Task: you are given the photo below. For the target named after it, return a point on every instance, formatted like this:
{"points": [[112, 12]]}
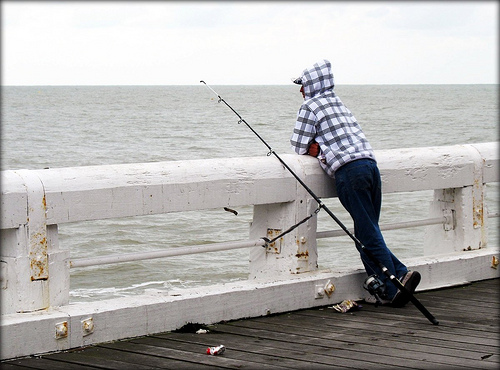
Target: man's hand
{"points": [[313, 149]]}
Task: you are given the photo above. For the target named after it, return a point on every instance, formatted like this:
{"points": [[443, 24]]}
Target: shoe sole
{"points": [[410, 283]]}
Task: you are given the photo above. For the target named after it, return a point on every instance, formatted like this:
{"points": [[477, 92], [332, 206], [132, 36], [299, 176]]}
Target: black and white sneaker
{"points": [[378, 302], [410, 282]]}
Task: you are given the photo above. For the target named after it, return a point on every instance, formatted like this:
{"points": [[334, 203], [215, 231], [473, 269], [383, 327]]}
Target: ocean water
{"points": [[70, 126]]}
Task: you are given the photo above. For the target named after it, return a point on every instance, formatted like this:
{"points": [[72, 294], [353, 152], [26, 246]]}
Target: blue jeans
{"points": [[359, 189]]}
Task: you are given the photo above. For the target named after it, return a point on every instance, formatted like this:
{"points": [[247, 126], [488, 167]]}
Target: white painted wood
{"points": [[36, 226], [27, 272], [88, 193], [279, 282], [154, 313], [465, 204], [294, 253], [490, 154], [425, 168], [14, 201]]}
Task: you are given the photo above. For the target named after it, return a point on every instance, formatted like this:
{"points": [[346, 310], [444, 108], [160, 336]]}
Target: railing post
{"points": [[464, 211], [35, 273], [294, 253]]}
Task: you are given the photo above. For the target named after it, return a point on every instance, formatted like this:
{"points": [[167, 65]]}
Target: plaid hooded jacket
{"points": [[324, 118]]}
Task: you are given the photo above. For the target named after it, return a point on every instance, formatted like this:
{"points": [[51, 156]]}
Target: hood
{"points": [[317, 79]]}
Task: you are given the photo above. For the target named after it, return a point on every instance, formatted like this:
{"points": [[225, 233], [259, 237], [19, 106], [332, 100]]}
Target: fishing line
{"points": [[321, 205]]}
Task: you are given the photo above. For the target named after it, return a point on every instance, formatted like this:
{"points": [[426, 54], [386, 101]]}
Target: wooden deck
{"points": [[321, 338]]}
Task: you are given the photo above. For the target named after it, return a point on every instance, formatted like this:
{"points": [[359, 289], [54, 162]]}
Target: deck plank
{"points": [[106, 359], [370, 338], [299, 348], [37, 362], [257, 349], [190, 358], [257, 356], [371, 349]]}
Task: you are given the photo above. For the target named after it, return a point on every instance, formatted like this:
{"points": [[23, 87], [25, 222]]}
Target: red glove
{"points": [[313, 149]]}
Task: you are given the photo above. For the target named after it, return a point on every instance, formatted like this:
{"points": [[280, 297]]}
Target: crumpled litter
{"points": [[214, 351], [345, 306]]}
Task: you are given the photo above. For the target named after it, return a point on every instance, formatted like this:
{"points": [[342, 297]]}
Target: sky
{"points": [[247, 43]]}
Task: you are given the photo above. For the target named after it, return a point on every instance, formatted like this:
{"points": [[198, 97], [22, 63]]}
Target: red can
{"points": [[219, 350]]}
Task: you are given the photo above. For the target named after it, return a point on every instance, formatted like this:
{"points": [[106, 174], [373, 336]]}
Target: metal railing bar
{"points": [[129, 257], [395, 226], [383, 227], [214, 247]]}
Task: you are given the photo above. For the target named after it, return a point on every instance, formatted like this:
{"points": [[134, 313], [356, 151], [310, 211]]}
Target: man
{"points": [[326, 129]]}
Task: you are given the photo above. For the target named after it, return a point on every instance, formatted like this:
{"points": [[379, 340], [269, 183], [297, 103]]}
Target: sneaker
{"points": [[410, 281], [372, 300]]}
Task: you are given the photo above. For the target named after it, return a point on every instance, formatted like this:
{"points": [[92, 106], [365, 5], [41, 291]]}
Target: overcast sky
{"points": [[171, 43]]}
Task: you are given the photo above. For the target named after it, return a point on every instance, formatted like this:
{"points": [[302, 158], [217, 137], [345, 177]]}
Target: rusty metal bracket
{"points": [[273, 245], [273, 237], [36, 225]]}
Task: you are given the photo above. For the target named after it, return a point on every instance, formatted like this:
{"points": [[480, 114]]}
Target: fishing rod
{"points": [[321, 205]]}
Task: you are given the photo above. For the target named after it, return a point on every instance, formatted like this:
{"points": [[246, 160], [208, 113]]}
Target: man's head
{"points": [[316, 79], [298, 81]]}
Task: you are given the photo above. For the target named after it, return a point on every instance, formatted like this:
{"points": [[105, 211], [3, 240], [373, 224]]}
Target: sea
{"points": [[68, 126]]}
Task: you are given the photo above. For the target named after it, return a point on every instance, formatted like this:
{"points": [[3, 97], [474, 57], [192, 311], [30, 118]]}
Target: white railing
{"points": [[231, 245], [283, 276]]}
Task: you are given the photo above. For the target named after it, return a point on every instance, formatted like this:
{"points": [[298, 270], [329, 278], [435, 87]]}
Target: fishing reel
{"points": [[375, 287]]}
